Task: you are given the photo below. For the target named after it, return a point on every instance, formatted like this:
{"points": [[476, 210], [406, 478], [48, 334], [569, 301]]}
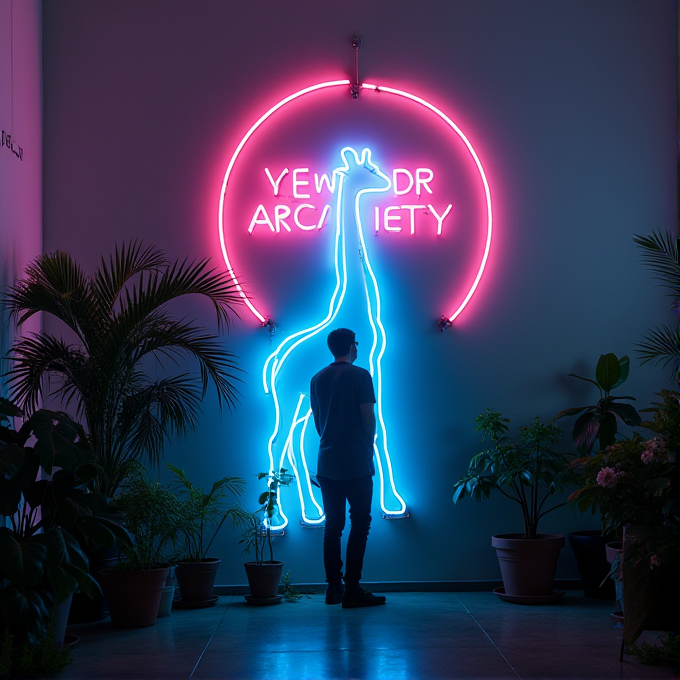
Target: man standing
{"points": [[343, 406]]}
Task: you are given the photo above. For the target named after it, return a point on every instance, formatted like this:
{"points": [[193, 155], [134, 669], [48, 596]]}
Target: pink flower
{"points": [[607, 477], [655, 449], [654, 561]]}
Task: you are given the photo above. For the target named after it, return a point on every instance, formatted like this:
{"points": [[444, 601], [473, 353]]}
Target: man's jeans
{"points": [[336, 493]]}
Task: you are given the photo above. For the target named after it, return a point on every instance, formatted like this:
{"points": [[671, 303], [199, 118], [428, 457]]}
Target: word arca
{"points": [[284, 218]]}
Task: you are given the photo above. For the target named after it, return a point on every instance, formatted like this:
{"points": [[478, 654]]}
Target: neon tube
{"points": [[375, 88], [230, 167], [487, 192], [367, 162]]}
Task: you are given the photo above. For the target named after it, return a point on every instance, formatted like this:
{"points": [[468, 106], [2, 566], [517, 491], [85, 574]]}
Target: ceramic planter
{"points": [[196, 580], [264, 579], [591, 559], [613, 550], [165, 605], [61, 612], [134, 596], [528, 566], [85, 609]]}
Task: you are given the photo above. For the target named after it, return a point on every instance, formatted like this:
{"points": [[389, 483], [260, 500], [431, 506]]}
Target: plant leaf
{"points": [[608, 371]]}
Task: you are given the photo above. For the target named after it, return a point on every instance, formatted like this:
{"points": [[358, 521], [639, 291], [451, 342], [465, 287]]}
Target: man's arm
{"points": [[368, 419]]}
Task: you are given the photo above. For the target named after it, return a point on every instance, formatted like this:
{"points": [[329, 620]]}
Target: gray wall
{"points": [[570, 105], [21, 154]]}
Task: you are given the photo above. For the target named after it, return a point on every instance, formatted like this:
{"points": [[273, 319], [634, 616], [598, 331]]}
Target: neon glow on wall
{"points": [[299, 217], [343, 84], [276, 360]]}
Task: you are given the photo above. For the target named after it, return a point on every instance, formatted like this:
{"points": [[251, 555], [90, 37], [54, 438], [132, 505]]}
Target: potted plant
{"points": [[634, 484], [202, 516], [529, 473], [599, 424], [43, 501], [136, 586], [123, 330], [264, 576]]}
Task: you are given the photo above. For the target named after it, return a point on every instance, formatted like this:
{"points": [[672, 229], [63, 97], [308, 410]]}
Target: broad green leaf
{"points": [[22, 562], [627, 413], [11, 459], [97, 532], [624, 364], [10, 498], [57, 551], [608, 371], [28, 609], [63, 584], [585, 431]]}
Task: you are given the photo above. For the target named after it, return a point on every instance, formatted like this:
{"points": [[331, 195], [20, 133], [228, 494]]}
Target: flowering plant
{"points": [[635, 482]]}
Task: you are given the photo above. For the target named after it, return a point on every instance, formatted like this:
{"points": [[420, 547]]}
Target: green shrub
{"points": [[20, 658]]}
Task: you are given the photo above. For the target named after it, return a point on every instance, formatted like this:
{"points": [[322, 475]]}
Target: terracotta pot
{"points": [[134, 596], [591, 559], [528, 564], [264, 579], [196, 579]]}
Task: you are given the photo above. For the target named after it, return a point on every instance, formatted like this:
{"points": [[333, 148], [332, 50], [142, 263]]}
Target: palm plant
{"points": [[202, 514], [125, 334], [661, 345]]}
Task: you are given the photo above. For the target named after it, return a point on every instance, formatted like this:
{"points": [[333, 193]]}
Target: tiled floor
{"points": [[416, 635]]}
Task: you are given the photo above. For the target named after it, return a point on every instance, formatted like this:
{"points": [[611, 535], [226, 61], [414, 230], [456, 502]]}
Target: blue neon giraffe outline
{"points": [[274, 362]]}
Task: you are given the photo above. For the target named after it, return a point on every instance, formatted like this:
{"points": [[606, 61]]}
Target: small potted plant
{"points": [[137, 585], [529, 473], [264, 576], [203, 515]]}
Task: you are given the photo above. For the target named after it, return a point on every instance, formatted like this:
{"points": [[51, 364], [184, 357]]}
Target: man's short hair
{"points": [[340, 341]]}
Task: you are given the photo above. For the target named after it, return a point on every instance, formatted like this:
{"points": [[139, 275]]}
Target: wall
{"points": [[20, 149], [571, 106]]}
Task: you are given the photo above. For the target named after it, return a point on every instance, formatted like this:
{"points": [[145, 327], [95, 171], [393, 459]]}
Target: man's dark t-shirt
{"points": [[346, 449]]}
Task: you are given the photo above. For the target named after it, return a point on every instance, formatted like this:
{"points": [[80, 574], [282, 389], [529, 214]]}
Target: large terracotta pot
{"points": [[528, 565], [264, 579], [590, 553], [134, 596], [196, 579]]}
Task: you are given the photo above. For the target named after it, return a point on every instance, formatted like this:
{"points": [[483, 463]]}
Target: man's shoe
{"points": [[335, 593], [358, 597]]}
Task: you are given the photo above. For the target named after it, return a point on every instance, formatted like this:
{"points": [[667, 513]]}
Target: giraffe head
{"points": [[368, 174]]}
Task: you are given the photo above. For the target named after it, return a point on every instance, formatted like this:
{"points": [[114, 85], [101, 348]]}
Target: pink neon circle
{"points": [[376, 88]]}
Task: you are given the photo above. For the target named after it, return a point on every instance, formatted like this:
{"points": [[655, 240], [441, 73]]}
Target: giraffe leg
{"points": [[311, 511]]}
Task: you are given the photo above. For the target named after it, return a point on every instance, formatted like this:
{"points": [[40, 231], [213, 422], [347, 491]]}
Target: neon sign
{"points": [[280, 219], [300, 201]]}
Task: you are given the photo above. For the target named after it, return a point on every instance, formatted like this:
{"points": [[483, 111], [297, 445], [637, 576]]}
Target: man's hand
{"points": [[368, 419]]}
